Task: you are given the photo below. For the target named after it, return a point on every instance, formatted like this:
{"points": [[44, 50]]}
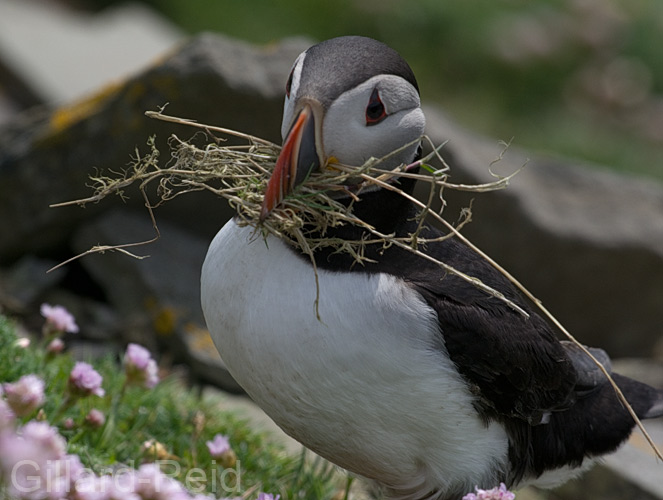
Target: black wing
{"points": [[524, 377], [515, 364], [553, 400]]}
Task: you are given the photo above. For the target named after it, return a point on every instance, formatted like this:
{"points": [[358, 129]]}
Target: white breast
{"points": [[367, 386]]}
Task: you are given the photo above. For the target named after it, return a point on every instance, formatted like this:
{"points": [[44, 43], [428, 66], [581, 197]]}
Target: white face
{"points": [[347, 136], [345, 132]]}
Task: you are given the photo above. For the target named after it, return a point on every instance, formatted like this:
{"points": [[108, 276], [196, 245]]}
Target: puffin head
{"points": [[347, 99]]}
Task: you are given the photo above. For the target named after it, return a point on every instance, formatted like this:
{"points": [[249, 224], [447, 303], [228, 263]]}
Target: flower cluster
{"points": [[58, 322], [25, 395], [84, 380], [35, 465], [58, 319], [34, 456], [498, 493], [95, 418], [34, 462], [139, 366], [219, 448]]}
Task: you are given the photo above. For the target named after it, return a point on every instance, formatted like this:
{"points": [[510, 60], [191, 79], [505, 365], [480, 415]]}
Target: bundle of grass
{"points": [[240, 174]]}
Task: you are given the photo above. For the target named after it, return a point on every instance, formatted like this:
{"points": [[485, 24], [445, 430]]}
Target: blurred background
{"points": [[569, 82], [578, 78]]}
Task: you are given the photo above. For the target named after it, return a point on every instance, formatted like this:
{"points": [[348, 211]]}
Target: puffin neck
{"points": [[385, 210]]}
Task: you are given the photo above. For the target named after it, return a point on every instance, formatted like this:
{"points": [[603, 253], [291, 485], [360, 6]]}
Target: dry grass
{"points": [[240, 175]]}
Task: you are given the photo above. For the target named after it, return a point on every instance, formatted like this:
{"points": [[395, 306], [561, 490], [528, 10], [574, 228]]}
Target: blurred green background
{"points": [[575, 78]]}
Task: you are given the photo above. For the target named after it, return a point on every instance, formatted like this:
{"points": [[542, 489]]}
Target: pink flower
{"points": [[55, 346], [85, 380], [33, 461], [137, 356], [119, 486], [140, 368], [92, 487], [218, 446], [268, 496], [152, 483], [45, 437], [64, 473], [498, 493], [220, 450], [95, 418], [25, 395], [7, 416], [58, 318]]}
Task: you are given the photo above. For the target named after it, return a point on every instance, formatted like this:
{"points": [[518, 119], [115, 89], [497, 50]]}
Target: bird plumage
{"points": [[412, 377]]}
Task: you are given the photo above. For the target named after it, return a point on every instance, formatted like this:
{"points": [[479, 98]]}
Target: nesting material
{"points": [[240, 175]]}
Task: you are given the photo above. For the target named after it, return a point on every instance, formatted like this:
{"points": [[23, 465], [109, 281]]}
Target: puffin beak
{"points": [[299, 156]]}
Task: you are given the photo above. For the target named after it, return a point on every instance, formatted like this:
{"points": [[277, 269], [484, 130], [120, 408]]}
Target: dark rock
{"points": [[47, 155], [23, 283], [85, 350], [633, 472], [162, 289], [586, 241], [649, 371], [97, 321], [158, 296]]}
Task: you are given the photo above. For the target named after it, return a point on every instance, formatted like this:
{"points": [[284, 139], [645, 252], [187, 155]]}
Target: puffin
{"points": [[407, 375]]}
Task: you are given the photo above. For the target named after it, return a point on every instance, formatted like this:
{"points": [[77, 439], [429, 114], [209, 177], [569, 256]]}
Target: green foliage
{"points": [[172, 414]]}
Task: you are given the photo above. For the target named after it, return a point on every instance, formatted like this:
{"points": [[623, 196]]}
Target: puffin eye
{"points": [[375, 111], [288, 84]]}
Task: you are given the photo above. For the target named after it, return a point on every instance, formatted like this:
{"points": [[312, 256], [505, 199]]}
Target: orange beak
{"points": [[299, 156]]}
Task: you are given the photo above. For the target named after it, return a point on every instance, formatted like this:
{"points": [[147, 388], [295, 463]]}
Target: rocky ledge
{"points": [[587, 242]]}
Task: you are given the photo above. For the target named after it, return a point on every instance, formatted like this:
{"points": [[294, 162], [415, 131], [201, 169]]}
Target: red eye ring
{"points": [[375, 111]]}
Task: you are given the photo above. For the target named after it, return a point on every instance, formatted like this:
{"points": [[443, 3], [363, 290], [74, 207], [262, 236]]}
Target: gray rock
{"points": [[586, 241], [637, 464], [158, 296], [649, 371], [97, 321], [62, 53], [165, 270], [633, 472], [47, 155], [25, 281]]}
